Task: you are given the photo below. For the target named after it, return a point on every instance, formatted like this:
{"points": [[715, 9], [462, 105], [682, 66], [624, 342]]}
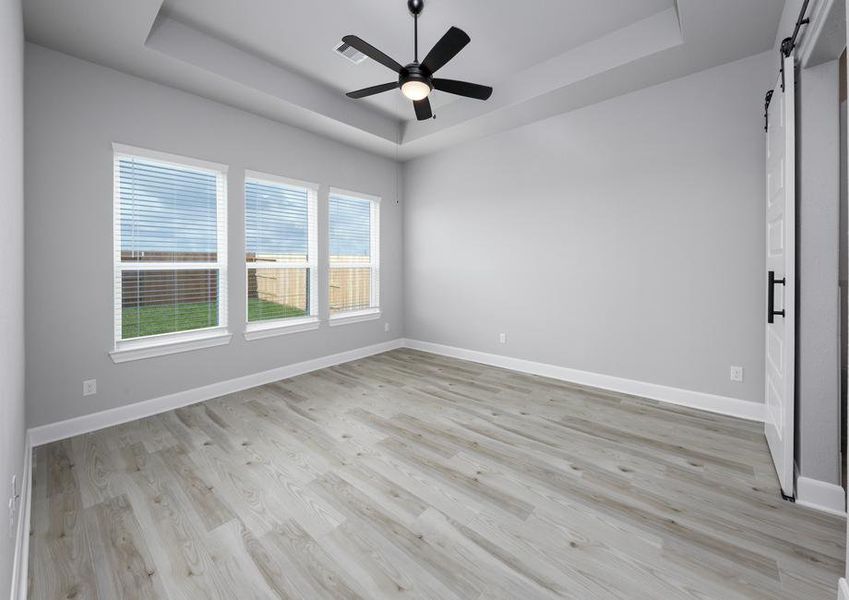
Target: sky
{"points": [[165, 209], [275, 219], [350, 222], [171, 209]]}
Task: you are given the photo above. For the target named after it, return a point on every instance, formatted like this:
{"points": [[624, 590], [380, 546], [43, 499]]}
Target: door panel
{"points": [[781, 261]]}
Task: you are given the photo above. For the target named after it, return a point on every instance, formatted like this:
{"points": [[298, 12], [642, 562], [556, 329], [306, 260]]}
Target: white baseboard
{"points": [[843, 590], [52, 432], [78, 425], [20, 565], [718, 404], [828, 497]]}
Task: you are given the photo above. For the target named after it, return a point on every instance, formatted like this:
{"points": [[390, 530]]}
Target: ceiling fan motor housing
{"points": [[415, 72]]}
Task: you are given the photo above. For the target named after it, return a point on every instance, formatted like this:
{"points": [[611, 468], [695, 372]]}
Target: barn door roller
{"points": [[789, 44], [786, 49]]}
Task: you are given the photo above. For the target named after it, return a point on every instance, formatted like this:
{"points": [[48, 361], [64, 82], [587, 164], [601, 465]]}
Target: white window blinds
{"points": [[354, 228], [170, 246], [281, 249]]}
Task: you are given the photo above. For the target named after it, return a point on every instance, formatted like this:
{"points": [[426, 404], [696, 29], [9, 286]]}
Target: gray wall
{"points": [[625, 238], [818, 324], [75, 110], [11, 271]]}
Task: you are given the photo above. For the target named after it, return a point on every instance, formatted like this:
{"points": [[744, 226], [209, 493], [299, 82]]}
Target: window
{"points": [[170, 252], [281, 254], [354, 224]]}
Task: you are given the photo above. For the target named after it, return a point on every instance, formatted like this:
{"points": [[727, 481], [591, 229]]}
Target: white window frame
{"points": [[263, 329], [373, 312], [182, 341]]}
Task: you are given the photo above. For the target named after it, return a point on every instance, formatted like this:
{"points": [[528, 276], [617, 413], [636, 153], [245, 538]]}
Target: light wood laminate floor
{"points": [[408, 475]]}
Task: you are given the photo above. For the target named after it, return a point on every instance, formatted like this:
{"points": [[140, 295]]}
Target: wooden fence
{"points": [[281, 286], [350, 287], [152, 288]]}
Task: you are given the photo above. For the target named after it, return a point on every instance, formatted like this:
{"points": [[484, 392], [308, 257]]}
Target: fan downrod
{"points": [[415, 6]]}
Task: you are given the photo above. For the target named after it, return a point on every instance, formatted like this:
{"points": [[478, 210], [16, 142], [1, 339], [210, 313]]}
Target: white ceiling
{"points": [[507, 36], [276, 58]]}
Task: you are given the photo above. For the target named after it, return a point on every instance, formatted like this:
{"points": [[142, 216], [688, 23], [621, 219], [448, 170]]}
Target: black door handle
{"points": [[770, 302]]}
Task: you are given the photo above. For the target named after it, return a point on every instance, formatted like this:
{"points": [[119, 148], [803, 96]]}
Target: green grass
{"points": [[263, 310], [153, 320]]}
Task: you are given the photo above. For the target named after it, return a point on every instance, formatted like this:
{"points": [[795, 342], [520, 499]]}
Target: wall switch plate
{"points": [[89, 387], [502, 338], [386, 327], [737, 374]]}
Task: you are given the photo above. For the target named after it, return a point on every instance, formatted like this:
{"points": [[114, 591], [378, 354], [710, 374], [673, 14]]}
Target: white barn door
{"points": [[781, 276]]}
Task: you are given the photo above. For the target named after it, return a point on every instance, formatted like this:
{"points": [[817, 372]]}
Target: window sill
{"points": [[141, 349], [267, 330], [355, 317]]}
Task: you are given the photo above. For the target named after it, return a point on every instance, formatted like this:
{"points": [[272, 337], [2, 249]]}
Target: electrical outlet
{"points": [[89, 387], [737, 374], [502, 338], [386, 327]]}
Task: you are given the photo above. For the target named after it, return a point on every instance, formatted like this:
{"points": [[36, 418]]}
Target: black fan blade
{"points": [[445, 49], [372, 52], [423, 111], [463, 88], [371, 91]]}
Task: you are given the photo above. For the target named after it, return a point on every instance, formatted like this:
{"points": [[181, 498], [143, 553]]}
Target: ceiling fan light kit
{"points": [[416, 79], [415, 84]]}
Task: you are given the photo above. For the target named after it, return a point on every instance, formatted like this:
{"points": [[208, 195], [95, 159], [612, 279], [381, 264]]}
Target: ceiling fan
{"points": [[416, 79]]}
